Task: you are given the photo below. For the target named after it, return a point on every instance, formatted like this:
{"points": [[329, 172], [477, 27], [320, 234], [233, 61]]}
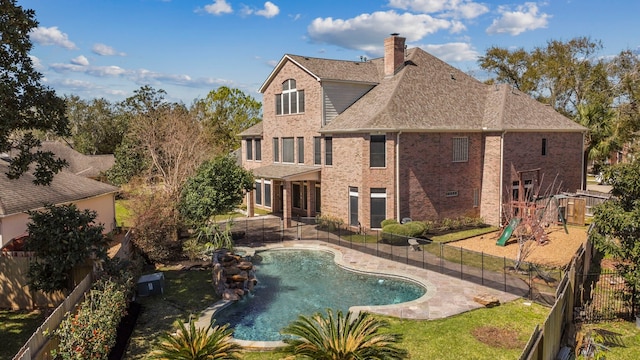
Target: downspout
{"points": [[501, 172], [584, 156], [398, 176]]}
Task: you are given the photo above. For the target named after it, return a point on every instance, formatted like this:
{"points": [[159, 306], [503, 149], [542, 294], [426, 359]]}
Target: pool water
{"points": [[304, 282]]}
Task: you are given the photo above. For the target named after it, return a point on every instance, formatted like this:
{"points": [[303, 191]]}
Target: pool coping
{"points": [[445, 295]]}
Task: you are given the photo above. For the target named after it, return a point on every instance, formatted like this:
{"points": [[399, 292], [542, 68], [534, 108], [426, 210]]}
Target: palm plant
{"points": [[341, 338], [197, 344]]}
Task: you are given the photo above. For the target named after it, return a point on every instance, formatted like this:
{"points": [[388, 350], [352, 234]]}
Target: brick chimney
{"points": [[393, 54]]}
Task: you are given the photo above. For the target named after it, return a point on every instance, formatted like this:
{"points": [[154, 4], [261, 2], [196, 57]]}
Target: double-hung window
{"points": [[378, 207], [377, 151], [353, 206], [249, 143], [276, 149], [258, 154], [300, 150], [328, 151], [291, 101], [317, 150], [258, 192], [267, 193], [287, 150]]}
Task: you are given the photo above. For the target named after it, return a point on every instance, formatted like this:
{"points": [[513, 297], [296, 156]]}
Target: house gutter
{"points": [[398, 175]]}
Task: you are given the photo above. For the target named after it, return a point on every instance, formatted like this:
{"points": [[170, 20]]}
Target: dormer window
{"points": [[291, 101]]}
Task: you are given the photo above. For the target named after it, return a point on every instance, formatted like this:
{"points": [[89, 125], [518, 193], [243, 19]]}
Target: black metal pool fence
{"points": [[522, 278]]}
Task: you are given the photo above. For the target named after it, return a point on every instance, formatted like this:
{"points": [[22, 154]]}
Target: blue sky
{"points": [[108, 49]]}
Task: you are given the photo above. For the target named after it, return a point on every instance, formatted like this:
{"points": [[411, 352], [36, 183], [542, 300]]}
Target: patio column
{"points": [[286, 204], [250, 203], [311, 198]]}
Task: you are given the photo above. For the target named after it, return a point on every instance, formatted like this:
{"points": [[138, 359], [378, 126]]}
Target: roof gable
{"points": [[327, 69]]}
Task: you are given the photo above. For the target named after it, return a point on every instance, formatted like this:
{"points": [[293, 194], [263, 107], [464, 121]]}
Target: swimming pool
{"points": [[296, 282]]}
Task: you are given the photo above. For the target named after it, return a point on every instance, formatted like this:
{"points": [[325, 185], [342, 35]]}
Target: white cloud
{"points": [[105, 50], [366, 31], [270, 10], [139, 76], [523, 18], [37, 64], [457, 51], [218, 7], [457, 27], [466, 9], [51, 36], [80, 60]]}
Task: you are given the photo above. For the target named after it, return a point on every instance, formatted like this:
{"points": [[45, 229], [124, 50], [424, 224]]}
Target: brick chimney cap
{"points": [[395, 34]]}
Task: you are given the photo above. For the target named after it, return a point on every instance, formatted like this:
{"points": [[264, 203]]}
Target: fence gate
{"points": [[575, 211]]}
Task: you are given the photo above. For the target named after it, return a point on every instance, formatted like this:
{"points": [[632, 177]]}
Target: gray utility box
{"points": [[151, 284]]}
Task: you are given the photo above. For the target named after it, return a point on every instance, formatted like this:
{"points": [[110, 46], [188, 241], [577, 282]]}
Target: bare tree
{"points": [[173, 141]]}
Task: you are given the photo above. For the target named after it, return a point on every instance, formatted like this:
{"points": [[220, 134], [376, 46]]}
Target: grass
{"points": [[460, 235], [123, 214], [622, 338], [15, 329], [186, 293], [453, 337]]}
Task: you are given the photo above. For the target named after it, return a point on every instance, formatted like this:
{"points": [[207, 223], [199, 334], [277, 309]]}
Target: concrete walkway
{"points": [[445, 296]]}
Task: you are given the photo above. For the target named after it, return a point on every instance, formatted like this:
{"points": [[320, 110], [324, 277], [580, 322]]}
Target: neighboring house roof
{"points": [[84, 165], [427, 94], [22, 194]]}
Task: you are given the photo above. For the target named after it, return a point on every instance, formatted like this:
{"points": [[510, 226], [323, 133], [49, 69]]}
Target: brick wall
{"points": [[428, 173], [562, 163]]}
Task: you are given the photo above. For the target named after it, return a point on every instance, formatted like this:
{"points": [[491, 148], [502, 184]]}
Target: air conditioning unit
{"points": [[150, 284]]}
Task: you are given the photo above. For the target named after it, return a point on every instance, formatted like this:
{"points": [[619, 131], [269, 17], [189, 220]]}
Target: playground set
{"points": [[528, 212]]}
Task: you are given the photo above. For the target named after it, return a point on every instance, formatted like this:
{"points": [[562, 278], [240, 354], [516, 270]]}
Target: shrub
{"points": [[396, 234], [416, 228], [386, 222], [329, 222], [91, 332], [155, 230]]}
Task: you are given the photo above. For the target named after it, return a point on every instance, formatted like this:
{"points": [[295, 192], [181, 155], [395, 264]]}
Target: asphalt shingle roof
{"points": [[21, 194], [79, 164]]}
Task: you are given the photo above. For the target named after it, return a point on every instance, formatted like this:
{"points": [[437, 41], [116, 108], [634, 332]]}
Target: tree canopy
{"points": [[97, 126], [216, 188], [62, 237], [224, 114], [597, 92], [27, 105], [615, 222]]}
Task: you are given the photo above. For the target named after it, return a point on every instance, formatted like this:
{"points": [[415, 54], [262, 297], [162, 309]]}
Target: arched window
{"points": [[291, 101]]}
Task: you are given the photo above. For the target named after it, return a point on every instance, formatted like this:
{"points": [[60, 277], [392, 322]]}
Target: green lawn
{"points": [[453, 337], [460, 235], [15, 329], [186, 293], [123, 214]]}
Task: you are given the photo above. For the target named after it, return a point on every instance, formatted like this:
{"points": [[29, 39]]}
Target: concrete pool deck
{"points": [[445, 296]]}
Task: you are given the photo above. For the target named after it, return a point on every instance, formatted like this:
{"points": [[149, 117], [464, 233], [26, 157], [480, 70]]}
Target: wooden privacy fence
{"points": [[545, 343], [39, 346], [15, 294]]}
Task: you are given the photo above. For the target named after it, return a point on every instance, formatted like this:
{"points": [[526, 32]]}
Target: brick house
{"points": [[406, 135]]}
